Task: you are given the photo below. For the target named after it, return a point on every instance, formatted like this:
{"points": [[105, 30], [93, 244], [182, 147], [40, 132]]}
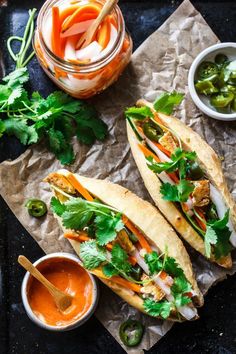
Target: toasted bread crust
{"points": [[148, 220], [207, 159]]}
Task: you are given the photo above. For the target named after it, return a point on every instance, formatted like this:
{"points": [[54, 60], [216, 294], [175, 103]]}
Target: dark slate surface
{"points": [[215, 332]]}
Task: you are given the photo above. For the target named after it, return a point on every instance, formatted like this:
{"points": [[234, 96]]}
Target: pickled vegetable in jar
{"points": [[81, 71]]}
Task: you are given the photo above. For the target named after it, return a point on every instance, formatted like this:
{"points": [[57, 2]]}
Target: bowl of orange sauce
{"points": [[64, 270]]}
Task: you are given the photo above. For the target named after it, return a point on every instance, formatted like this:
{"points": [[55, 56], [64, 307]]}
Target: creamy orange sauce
{"points": [[69, 277]]}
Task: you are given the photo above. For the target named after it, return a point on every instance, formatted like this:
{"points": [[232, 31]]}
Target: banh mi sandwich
{"points": [[126, 243], [184, 177]]}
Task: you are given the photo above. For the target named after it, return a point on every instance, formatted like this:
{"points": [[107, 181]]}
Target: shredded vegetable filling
{"points": [[113, 246], [184, 182]]}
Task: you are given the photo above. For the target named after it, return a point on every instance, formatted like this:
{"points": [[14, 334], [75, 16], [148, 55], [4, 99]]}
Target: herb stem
{"points": [[29, 108], [26, 40]]}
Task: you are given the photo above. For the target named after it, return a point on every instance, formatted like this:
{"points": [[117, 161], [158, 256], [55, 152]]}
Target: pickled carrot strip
{"points": [[147, 152], [112, 21], [81, 237], [173, 176], [78, 186], [75, 17], [142, 240], [126, 284], [132, 260], [56, 31], [199, 221], [68, 11], [83, 17], [103, 34], [160, 147]]}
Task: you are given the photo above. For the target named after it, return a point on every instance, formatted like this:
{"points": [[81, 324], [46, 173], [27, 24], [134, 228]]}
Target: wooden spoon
{"points": [[62, 300], [87, 37]]}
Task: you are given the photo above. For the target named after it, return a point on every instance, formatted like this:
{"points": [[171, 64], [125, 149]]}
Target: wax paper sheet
{"points": [[160, 63]]}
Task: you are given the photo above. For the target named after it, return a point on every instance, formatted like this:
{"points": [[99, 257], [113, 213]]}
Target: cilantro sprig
{"points": [[156, 264], [158, 309], [119, 263], [91, 254], [166, 102], [218, 235], [78, 213], [55, 119], [138, 113], [179, 162]]}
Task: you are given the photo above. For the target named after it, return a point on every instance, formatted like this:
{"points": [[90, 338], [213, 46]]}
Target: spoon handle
{"points": [[88, 35], [25, 263], [105, 10]]}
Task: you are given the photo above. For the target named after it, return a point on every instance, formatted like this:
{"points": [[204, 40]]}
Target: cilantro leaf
{"points": [[209, 239], [66, 156], [109, 270], [178, 156], [221, 223], [119, 259], [56, 140], [169, 192], [87, 119], [181, 300], [78, 213], [59, 146], [166, 101], [56, 118], [25, 133], [181, 285], [218, 234], [16, 93], [91, 254], [172, 267], [65, 125], [138, 113], [184, 188], [107, 227], [177, 193], [154, 262], [158, 309], [16, 77], [57, 207], [118, 264]]}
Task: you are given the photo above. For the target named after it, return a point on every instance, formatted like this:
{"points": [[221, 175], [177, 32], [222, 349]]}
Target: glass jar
{"points": [[82, 79]]}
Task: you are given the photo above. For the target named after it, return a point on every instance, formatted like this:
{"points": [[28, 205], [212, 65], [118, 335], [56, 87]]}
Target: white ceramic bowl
{"points": [[201, 101], [67, 327]]}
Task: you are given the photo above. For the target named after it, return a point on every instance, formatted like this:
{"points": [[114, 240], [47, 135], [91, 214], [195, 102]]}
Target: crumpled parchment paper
{"points": [[160, 63]]}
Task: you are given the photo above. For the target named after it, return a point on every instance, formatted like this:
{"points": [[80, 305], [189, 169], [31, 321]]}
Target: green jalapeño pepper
{"points": [[206, 87], [131, 332], [152, 132], [221, 59], [222, 100], [194, 171], [36, 207], [136, 272], [206, 70]]}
